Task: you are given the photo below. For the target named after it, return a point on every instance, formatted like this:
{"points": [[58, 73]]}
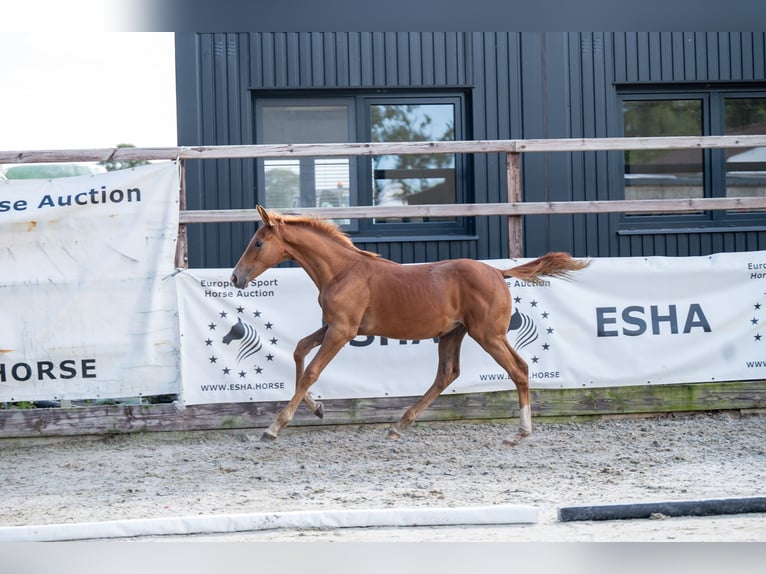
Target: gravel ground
{"points": [[436, 464]]}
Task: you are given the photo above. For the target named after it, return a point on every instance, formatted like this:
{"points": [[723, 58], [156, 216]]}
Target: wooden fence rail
{"points": [[737, 396], [514, 209]]}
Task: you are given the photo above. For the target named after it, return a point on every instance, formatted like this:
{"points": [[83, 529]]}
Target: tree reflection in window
{"points": [[413, 179]]}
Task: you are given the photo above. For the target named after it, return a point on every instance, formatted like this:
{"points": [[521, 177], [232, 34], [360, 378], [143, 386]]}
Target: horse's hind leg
{"points": [[516, 367], [447, 371]]}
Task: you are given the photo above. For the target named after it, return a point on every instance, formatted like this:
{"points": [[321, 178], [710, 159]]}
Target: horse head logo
{"points": [[526, 330], [248, 337]]}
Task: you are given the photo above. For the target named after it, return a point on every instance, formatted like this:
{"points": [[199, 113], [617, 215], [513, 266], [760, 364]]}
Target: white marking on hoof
{"points": [[319, 410]]}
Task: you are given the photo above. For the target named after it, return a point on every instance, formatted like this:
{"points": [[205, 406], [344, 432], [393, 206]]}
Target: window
{"points": [[693, 173], [409, 179]]}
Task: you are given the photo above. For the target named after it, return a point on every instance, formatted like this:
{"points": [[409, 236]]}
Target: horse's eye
{"points": [[259, 243]]}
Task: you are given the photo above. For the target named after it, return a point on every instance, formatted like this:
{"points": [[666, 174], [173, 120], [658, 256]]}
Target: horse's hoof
{"points": [[319, 410], [516, 439], [268, 437], [394, 434]]}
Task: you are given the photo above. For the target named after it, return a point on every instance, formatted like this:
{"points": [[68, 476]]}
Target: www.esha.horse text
{"points": [[91, 197]]}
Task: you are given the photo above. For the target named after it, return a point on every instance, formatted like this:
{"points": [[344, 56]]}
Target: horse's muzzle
{"points": [[239, 280]]}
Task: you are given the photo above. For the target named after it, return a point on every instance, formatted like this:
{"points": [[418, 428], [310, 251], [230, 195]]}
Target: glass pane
{"points": [[663, 174], [745, 168], [413, 179], [291, 124], [282, 183], [306, 182]]}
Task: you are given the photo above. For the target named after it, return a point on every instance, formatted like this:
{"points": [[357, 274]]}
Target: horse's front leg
{"points": [[332, 342], [302, 349]]}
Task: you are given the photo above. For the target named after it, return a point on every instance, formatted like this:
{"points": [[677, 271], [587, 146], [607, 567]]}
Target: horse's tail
{"points": [[553, 264]]}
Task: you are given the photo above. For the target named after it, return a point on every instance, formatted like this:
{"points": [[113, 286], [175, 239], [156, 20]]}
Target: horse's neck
{"points": [[321, 257]]}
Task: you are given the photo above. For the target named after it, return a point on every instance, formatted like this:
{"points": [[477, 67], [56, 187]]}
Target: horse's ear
{"points": [[265, 217]]}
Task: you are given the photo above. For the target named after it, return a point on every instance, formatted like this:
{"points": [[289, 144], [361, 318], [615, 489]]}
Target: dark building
{"points": [[250, 88]]}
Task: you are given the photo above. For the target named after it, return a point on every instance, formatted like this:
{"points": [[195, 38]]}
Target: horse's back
{"points": [[430, 299]]}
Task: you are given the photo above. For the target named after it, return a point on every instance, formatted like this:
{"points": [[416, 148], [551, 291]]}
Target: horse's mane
{"points": [[326, 228]]}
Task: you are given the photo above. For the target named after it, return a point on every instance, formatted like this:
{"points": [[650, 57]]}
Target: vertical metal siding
{"points": [[521, 85]]}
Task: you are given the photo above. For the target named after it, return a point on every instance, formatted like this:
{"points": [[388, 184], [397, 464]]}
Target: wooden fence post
{"points": [[182, 246], [515, 222]]}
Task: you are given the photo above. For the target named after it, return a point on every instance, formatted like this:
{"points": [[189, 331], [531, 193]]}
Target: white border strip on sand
{"points": [[352, 518]]}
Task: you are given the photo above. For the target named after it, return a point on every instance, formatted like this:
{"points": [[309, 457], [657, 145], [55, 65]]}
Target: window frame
{"points": [[713, 99], [360, 167]]}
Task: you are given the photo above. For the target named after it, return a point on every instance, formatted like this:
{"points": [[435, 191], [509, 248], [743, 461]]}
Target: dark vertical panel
{"points": [[366, 77], [440, 58], [759, 55], [483, 100], [643, 68], [746, 51], [678, 56], [655, 56], [533, 167], [428, 63], [620, 57], [735, 55], [292, 59], [701, 60], [557, 104], [279, 59], [318, 71], [415, 61], [665, 41], [690, 58], [453, 59], [504, 69], [306, 60], [342, 55]]}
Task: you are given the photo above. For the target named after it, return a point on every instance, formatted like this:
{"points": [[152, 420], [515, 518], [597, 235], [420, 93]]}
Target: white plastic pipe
{"points": [[353, 518]]}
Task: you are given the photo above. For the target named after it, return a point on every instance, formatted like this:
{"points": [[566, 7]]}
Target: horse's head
{"points": [[265, 250]]}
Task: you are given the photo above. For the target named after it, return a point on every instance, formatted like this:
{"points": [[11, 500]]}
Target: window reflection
{"points": [[745, 168], [663, 174], [416, 179]]}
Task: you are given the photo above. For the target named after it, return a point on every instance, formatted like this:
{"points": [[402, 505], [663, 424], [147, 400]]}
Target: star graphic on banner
{"points": [[754, 322], [236, 351], [531, 332]]}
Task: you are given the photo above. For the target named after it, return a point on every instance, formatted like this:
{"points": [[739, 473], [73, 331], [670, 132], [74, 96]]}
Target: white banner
{"points": [[84, 309], [622, 321]]}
